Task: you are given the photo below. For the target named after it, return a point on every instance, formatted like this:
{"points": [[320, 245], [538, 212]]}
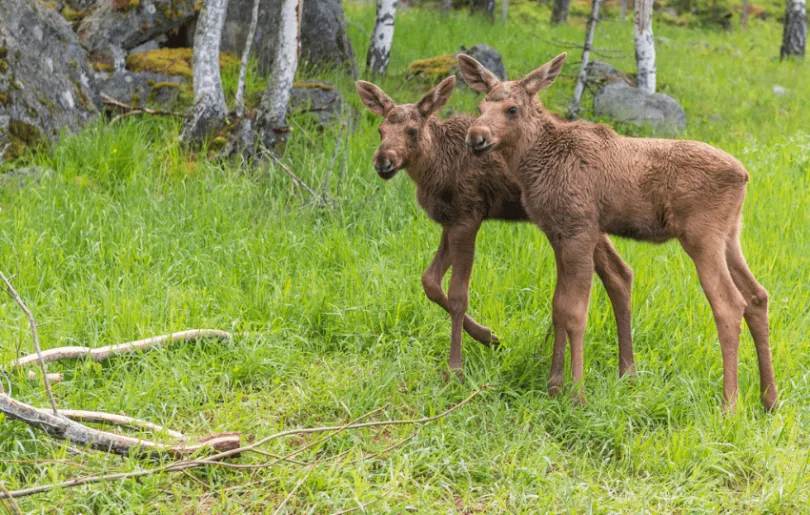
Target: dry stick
{"points": [[277, 457], [239, 100], [118, 420], [15, 508], [288, 171], [334, 159], [212, 460], [13, 294], [55, 377], [573, 110], [102, 353], [135, 110]]}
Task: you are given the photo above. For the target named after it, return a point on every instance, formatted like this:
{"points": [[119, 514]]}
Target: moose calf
{"points": [[460, 191], [581, 180]]}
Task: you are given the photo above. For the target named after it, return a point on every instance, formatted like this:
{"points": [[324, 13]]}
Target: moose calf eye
{"points": [[412, 132], [512, 111]]}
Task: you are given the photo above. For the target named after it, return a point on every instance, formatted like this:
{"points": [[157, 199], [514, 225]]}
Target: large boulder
{"points": [[319, 98], [237, 23], [324, 42], [141, 89], [117, 26], [623, 103], [437, 68], [598, 71], [46, 84], [489, 57]]}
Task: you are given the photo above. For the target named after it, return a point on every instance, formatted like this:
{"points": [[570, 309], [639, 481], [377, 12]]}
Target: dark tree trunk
{"points": [[559, 13], [795, 35]]}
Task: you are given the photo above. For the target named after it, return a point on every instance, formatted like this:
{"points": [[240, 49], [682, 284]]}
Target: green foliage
{"points": [[134, 237]]}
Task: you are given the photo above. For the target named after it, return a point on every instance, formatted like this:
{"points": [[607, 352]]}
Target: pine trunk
{"points": [[645, 46], [209, 111], [272, 120], [573, 110], [794, 38], [379, 48], [559, 13]]}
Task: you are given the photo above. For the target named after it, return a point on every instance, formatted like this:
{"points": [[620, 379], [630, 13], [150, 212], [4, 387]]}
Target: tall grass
{"points": [[133, 237]]}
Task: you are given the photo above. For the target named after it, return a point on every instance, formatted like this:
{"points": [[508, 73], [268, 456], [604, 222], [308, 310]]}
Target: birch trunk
{"points": [[559, 13], [645, 46], [239, 100], [505, 9], [623, 12], [573, 110], [379, 48], [447, 5], [272, 120], [744, 15], [794, 38], [209, 111], [491, 10]]}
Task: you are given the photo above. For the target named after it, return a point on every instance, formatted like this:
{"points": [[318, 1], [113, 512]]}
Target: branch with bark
{"points": [[573, 110]]}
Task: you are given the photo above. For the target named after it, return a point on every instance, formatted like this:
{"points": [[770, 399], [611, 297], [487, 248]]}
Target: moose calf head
{"points": [[404, 139], [508, 106]]}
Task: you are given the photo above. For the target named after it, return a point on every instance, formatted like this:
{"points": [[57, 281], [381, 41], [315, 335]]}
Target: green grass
{"points": [[132, 238]]}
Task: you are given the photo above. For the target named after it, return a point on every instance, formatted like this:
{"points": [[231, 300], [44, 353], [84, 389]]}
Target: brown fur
{"points": [[580, 180], [459, 191]]}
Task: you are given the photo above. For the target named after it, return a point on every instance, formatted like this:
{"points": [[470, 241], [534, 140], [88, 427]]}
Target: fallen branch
{"points": [[288, 171], [102, 353], [55, 377], [214, 460], [118, 420], [83, 436], [131, 110]]}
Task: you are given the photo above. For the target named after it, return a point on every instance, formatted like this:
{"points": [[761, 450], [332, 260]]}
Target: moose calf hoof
{"points": [[770, 402], [578, 398], [453, 374], [494, 342], [555, 385]]}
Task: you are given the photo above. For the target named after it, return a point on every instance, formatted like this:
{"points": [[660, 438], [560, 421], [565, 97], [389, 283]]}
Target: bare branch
{"points": [[102, 353], [34, 335], [131, 110], [334, 159], [55, 377], [239, 100], [296, 487], [289, 172], [118, 420]]}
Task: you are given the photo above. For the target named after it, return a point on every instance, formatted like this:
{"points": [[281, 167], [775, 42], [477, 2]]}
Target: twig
{"points": [[334, 159], [102, 353], [8, 380], [213, 460], [13, 293], [15, 508], [296, 487], [197, 480], [118, 420], [288, 171], [135, 110], [277, 457], [3, 150], [56, 462], [239, 100]]}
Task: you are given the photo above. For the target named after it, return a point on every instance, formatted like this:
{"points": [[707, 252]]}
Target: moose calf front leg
{"points": [[432, 283], [462, 251]]}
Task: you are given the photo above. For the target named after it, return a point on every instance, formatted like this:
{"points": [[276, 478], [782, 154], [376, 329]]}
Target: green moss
{"points": [[25, 132], [3, 66], [72, 15], [135, 99], [3, 52], [313, 85], [4, 99], [174, 61], [150, 82], [102, 67], [433, 67], [49, 5], [74, 64], [125, 5], [218, 143]]}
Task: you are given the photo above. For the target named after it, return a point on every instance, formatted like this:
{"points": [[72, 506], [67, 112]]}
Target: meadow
{"points": [[132, 236]]}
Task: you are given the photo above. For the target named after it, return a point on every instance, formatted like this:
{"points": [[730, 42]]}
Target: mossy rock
{"points": [[4, 98], [314, 84], [72, 15], [433, 68], [125, 5], [174, 61]]}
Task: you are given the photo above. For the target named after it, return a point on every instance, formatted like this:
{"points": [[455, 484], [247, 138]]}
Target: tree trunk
{"points": [[505, 9], [645, 46], [209, 111], [239, 100], [744, 15], [272, 120], [795, 35], [623, 13], [559, 13], [447, 5], [491, 10], [379, 48], [573, 110]]}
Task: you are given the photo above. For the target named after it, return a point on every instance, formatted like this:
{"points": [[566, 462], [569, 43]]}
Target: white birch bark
{"points": [[239, 100], [491, 10], [505, 9], [794, 38], [272, 124], [379, 48], [579, 88], [645, 46], [209, 111], [744, 15], [623, 11]]}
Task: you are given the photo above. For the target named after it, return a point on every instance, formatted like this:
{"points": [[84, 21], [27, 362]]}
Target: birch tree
{"points": [[491, 10], [573, 110], [559, 12], [645, 46], [379, 48], [794, 37], [272, 120], [744, 15], [505, 9], [239, 100], [209, 111], [623, 10]]}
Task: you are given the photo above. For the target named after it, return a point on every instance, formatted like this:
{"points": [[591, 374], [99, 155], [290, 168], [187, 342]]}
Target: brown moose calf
{"points": [[460, 191], [581, 180]]}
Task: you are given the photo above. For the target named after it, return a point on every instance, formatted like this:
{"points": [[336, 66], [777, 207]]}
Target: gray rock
{"points": [[46, 84], [140, 89], [624, 103], [324, 42], [599, 71], [237, 23], [489, 57], [108, 28], [149, 45], [21, 177], [322, 99]]}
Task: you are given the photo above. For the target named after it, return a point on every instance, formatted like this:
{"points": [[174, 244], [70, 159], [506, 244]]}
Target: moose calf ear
{"points": [[479, 78], [543, 76], [374, 98], [436, 97]]}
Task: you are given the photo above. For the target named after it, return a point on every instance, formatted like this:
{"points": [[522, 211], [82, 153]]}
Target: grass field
{"points": [[132, 237]]}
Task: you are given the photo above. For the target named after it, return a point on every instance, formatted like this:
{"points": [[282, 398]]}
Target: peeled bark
{"points": [[573, 110], [272, 120], [559, 13], [209, 111], [794, 37], [645, 47], [379, 48]]}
